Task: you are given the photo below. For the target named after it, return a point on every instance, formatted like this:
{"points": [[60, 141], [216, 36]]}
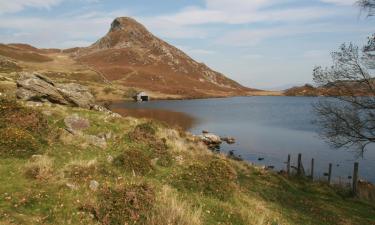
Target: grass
{"points": [[176, 180]]}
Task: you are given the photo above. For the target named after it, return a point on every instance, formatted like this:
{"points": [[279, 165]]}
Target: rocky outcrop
{"points": [[36, 87]]}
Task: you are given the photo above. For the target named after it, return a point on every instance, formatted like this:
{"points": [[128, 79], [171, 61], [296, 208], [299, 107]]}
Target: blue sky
{"points": [[260, 43]]}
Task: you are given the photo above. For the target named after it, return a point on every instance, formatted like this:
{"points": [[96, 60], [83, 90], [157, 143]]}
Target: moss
{"points": [[15, 142], [215, 178], [125, 204], [134, 161]]}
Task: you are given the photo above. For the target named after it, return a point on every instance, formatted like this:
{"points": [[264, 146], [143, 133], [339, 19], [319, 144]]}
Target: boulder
{"points": [[211, 140], [76, 124], [36, 87], [229, 140], [76, 94]]}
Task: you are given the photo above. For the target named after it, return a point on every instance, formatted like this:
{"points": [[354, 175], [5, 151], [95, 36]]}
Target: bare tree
{"points": [[347, 119], [368, 6]]}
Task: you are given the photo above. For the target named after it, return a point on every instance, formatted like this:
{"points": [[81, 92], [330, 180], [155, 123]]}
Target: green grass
{"points": [[147, 170]]}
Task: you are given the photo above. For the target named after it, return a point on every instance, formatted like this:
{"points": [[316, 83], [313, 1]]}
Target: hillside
{"points": [[128, 59], [62, 165], [132, 56]]}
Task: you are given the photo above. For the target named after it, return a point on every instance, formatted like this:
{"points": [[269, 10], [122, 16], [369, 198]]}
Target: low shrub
{"points": [[143, 132], [15, 115], [146, 133], [108, 90], [134, 161], [125, 204], [15, 142], [214, 178]]}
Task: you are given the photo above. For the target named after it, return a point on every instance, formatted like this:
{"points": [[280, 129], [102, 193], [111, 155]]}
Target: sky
{"points": [[266, 44]]}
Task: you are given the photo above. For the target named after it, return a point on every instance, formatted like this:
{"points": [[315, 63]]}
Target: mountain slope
{"points": [[131, 55]]}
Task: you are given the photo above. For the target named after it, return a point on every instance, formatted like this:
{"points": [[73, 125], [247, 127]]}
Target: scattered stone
{"points": [[96, 141], [110, 159], [229, 140], [94, 185], [210, 139], [100, 108], [76, 124], [72, 186], [106, 136]]}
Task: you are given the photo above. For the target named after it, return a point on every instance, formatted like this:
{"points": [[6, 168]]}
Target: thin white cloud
{"points": [[340, 2], [11, 6]]}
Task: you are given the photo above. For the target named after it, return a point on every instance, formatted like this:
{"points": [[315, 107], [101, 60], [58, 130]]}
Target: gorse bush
{"points": [[215, 178], [15, 142], [134, 161], [125, 204], [13, 114], [143, 132]]}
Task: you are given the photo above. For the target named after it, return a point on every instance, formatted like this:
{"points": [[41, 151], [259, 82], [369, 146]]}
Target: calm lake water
{"points": [[264, 127]]}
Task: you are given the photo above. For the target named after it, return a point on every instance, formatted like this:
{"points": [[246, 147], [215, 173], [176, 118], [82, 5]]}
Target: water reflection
{"points": [[173, 119]]}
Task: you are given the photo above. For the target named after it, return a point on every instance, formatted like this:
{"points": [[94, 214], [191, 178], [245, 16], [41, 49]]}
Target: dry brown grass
{"points": [[40, 167], [80, 170], [170, 210]]}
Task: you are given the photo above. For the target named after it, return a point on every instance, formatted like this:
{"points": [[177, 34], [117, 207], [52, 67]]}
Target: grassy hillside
{"points": [[108, 170]]}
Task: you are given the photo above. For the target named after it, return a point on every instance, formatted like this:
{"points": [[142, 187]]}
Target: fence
{"points": [[300, 171]]}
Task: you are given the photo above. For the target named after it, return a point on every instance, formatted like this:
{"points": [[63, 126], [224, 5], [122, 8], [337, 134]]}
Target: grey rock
{"points": [[36, 87], [76, 94], [94, 185], [100, 108], [75, 123], [96, 141]]}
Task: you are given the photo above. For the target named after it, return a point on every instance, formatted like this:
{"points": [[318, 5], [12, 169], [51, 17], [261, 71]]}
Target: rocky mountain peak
{"points": [[126, 24], [124, 32]]}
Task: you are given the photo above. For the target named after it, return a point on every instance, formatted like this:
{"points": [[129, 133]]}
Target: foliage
{"points": [[125, 204], [349, 119], [15, 115], [130, 93], [214, 178], [15, 142], [108, 90], [134, 161]]}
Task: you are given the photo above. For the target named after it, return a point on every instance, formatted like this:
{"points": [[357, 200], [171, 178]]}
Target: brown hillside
{"points": [[23, 52], [132, 56]]}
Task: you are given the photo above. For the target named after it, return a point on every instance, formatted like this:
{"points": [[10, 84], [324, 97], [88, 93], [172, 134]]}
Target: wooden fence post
{"points": [[299, 165], [312, 169], [329, 173], [288, 165], [355, 178]]}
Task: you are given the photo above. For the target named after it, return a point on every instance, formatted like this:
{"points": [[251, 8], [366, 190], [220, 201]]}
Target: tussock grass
{"points": [[40, 167], [171, 210], [81, 170]]}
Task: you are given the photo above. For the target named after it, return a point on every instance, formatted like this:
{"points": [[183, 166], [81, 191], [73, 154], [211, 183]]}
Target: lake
{"points": [[264, 127]]}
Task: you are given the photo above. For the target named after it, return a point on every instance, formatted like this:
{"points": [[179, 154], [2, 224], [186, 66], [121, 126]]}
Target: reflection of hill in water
{"points": [[175, 119]]}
